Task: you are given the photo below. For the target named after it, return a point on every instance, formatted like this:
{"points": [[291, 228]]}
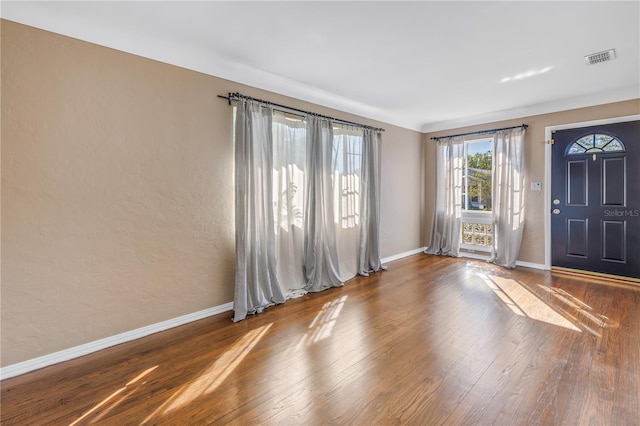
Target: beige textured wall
{"points": [[532, 249], [400, 215], [117, 191]]}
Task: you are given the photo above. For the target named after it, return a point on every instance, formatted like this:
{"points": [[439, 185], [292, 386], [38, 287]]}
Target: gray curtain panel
{"points": [[320, 254], [445, 233], [369, 247], [508, 196], [256, 284]]}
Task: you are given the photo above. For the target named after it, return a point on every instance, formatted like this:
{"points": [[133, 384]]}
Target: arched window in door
{"points": [[595, 143]]}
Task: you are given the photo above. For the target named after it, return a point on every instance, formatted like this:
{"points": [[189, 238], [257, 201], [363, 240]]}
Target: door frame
{"points": [[547, 171]]}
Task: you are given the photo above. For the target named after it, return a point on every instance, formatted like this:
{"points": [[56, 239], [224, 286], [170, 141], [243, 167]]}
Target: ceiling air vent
{"points": [[596, 58]]}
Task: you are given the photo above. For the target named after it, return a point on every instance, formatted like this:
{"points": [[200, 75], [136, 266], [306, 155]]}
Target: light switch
{"points": [[536, 186]]}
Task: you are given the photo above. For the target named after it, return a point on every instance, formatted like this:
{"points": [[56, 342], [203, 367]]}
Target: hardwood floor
{"points": [[430, 341]]}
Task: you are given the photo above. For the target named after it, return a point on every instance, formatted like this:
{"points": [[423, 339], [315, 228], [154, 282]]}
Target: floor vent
{"points": [[596, 58]]}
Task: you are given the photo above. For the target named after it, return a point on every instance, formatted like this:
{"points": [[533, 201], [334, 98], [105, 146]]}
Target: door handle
{"points": [[556, 211], [556, 202]]}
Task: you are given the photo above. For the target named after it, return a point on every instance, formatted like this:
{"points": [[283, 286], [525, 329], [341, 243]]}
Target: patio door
{"points": [[595, 220]]}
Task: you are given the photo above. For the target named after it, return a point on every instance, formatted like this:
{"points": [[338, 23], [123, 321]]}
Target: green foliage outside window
{"points": [[479, 181]]}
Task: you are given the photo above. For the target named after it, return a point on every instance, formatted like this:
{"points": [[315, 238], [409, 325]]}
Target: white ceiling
{"points": [[421, 65]]}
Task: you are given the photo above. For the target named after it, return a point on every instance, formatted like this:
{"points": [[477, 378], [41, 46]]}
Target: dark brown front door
{"points": [[595, 199]]}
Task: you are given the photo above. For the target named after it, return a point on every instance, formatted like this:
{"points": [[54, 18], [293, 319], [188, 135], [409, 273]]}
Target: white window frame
{"points": [[475, 216]]}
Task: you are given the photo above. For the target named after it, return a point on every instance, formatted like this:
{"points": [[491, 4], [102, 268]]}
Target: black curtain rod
{"points": [[480, 132], [237, 96]]}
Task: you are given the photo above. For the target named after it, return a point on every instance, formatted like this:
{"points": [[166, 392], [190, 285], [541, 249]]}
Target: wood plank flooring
{"points": [[432, 340]]}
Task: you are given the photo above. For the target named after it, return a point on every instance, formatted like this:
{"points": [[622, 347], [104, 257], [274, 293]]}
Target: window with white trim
{"points": [[477, 197]]}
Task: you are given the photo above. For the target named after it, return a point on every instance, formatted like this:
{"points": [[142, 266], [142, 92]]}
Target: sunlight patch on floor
{"points": [[322, 325], [524, 303], [588, 317], [105, 401], [215, 374]]}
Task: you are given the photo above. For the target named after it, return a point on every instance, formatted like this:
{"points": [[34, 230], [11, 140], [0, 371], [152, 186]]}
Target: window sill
{"points": [[473, 248], [476, 216]]}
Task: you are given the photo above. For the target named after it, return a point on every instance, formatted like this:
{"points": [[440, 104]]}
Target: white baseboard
{"points": [[518, 262], [87, 348], [401, 255], [532, 265]]}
